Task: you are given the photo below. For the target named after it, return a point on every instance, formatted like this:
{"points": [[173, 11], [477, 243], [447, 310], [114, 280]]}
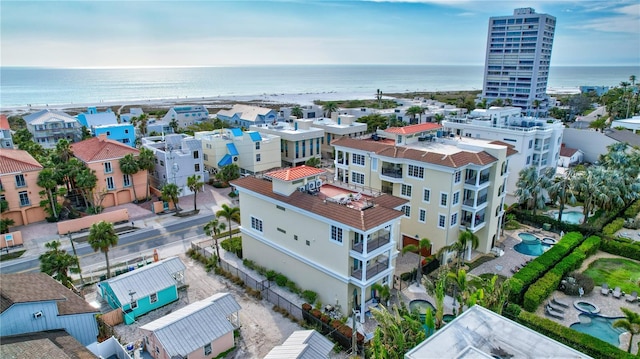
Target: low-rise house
{"points": [[203, 329], [106, 123], [142, 290], [49, 344], [569, 157], [632, 124], [246, 116], [308, 111], [133, 112], [336, 127], [19, 181], [35, 302], [252, 151], [186, 115], [103, 156], [6, 141], [49, 126], [302, 344], [299, 142]]}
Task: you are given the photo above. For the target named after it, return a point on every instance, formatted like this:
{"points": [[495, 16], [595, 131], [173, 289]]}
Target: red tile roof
{"points": [[364, 219], [4, 123], [100, 149], [17, 161], [567, 152], [406, 130], [458, 159], [292, 174], [510, 148], [18, 288]]}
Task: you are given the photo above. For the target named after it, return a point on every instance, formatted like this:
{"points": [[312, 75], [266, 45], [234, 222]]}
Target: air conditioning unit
{"points": [[301, 189], [37, 315], [311, 185], [318, 184], [235, 159]]}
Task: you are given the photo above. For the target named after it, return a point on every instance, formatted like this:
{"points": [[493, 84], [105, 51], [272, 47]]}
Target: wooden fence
{"points": [[113, 317]]}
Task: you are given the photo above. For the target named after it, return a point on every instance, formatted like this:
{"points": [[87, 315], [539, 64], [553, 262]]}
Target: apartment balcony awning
{"points": [[226, 160], [231, 148]]}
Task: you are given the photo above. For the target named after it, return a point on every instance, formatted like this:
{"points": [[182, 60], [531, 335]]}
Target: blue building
{"points": [[599, 90], [106, 122]]}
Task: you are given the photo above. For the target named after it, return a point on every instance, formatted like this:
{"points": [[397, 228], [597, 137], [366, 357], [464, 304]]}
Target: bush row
{"points": [[622, 247], [281, 280], [538, 267], [632, 210], [540, 219], [579, 341], [611, 228]]}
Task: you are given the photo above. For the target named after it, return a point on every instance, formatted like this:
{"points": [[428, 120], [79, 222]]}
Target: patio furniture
{"points": [[557, 309], [605, 289], [552, 313], [631, 297], [556, 301], [617, 293]]}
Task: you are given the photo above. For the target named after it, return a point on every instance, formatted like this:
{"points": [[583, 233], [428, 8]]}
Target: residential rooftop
{"points": [[17, 161], [50, 344], [101, 148]]}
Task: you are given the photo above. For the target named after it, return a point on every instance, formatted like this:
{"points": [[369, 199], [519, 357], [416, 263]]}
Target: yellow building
{"points": [[18, 180], [322, 237], [452, 184]]}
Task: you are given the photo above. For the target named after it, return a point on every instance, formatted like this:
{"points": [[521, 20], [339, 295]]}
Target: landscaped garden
{"points": [[616, 272]]}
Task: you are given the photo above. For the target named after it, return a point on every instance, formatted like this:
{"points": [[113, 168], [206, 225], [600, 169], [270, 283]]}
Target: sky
{"points": [[223, 33]]}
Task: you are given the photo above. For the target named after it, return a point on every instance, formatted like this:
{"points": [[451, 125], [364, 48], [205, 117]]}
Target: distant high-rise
{"points": [[517, 61]]}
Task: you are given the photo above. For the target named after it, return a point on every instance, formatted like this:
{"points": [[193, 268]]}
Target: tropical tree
{"points": [[147, 162], [438, 117], [436, 288], [329, 108], [86, 181], [531, 186], [379, 98], [213, 230], [561, 191], [129, 166], [384, 292], [47, 179], [229, 213], [195, 186], [174, 125], [102, 236], [423, 244], [171, 193], [466, 240], [63, 151], [57, 263], [413, 111], [630, 323], [297, 112], [313, 162], [398, 331], [228, 173], [536, 106], [599, 124], [461, 288], [4, 221]]}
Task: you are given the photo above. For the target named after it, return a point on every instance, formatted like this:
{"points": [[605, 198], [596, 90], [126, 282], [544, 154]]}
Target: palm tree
{"points": [[423, 244], [63, 150], [174, 125], [86, 181], [413, 111], [129, 166], [297, 112], [561, 191], [171, 193], [195, 186], [461, 288], [102, 235], [466, 240], [230, 213], [438, 117], [313, 162], [147, 162], [384, 292], [379, 98], [531, 186], [47, 180], [329, 107], [213, 230], [436, 288], [57, 263], [630, 323]]}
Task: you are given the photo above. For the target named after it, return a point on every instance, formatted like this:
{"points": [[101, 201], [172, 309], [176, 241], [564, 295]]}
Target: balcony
{"points": [[372, 270], [471, 222], [392, 172], [372, 244], [342, 161], [472, 203], [484, 179]]}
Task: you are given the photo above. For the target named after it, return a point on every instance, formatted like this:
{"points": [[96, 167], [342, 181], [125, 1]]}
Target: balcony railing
{"points": [[471, 180], [470, 201], [342, 161], [467, 222], [392, 172], [371, 270], [484, 179], [372, 244]]}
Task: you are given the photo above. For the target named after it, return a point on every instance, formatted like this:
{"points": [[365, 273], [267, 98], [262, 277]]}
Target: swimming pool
{"points": [[421, 305], [599, 327], [572, 217], [530, 245]]}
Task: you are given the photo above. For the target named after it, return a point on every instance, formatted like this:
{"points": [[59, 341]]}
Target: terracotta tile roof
{"points": [[361, 219], [17, 161], [292, 174], [4, 123], [567, 152], [100, 149], [458, 159], [510, 148], [421, 127], [38, 287]]}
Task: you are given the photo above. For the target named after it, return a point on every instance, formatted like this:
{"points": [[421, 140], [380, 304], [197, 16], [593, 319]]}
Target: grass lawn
{"points": [[617, 272]]}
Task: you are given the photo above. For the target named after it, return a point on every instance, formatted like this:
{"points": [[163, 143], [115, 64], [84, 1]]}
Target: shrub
{"points": [[293, 287], [512, 311], [632, 210], [540, 290], [611, 228], [309, 296], [590, 246], [622, 247], [271, 275], [574, 281], [306, 306], [281, 280]]}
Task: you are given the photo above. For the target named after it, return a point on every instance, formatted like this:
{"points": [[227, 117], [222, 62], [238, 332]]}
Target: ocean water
{"points": [[20, 86]]}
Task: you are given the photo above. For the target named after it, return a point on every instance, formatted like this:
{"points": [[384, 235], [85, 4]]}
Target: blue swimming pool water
{"points": [[599, 327], [530, 245], [572, 217]]}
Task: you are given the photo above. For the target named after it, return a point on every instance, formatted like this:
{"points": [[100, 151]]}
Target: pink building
{"points": [[18, 180]]}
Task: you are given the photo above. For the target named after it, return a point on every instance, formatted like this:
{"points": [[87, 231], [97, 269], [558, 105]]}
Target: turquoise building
{"points": [[106, 122], [144, 289]]}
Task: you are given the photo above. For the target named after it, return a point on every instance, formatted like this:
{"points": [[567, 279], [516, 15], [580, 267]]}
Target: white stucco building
{"points": [[299, 141]]}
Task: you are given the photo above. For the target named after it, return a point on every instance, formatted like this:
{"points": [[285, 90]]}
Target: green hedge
{"points": [[622, 247], [632, 210], [579, 341], [611, 228], [540, 219], [590, 245]]}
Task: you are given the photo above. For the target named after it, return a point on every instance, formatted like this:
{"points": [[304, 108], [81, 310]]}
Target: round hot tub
{"points": [[586, 307], [549, 241]]}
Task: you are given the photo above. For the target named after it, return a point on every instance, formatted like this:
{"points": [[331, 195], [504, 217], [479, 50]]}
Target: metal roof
{"points": [[255, 136], [146, 280], [302, 344], [237, 132], [226, 160], [195, 325], [233, 151]]}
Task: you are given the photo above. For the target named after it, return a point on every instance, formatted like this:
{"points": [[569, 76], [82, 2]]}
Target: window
{"points": [[126, 180], [126, 131], [456, 198], [443, 199], [416, 171], [357, 159], [442, 221], [281, 230], [374, 164], [457, 177], [257, 145], [196, 167], [528, 159], [454, 219], [196, 154], [426, 195], [205, 157], [107, 167], [422, 215], [20, 182], [357, 177], [108, 133], [207, 349], [110, 184], [153, 297], [405, 190], [295, 237], [336, 234], [280, 208], [257, 156], [407, 211], [133, 305], [530, 143], [256, 224], [24, 198]]}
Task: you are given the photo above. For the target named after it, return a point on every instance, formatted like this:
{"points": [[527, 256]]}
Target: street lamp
{"points": [[77, 259]]}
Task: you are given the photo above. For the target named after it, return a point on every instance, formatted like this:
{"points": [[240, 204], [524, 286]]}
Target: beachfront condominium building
{"points": [[337, 126], [178, 156], [452, 184], [19, 186], [49, 126], [246, 115], [299, 142], [538, 141], [517, 59], [253, 152], [324, 238], [186, 115]]}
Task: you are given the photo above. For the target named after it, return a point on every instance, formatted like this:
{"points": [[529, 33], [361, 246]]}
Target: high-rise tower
{"points": [[517, 61]]}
